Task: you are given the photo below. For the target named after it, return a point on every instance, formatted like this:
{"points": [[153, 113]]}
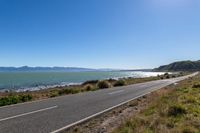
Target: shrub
{"points": [[173, 76], [65, 91], [14, 99], [176, 110], [196, 86], [111, 80], [69, 91], [167, 77], [103, 84], [91, 82], [89, 87], [25, 98], [166, 74], [120, 83], [76, 90], [54, 94]]}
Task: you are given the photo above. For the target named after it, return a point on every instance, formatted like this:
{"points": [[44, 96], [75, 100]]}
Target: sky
{"points": [[128, 34]]}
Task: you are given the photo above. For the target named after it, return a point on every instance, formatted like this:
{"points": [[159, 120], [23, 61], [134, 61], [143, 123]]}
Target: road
{"points": [[53, 115]]}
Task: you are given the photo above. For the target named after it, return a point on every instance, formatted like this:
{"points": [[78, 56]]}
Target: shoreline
{"points": [[38, 88], [9, 98], [44, 86]]}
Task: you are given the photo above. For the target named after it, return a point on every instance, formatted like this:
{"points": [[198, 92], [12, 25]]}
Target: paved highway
{"points": [[53, 115]]}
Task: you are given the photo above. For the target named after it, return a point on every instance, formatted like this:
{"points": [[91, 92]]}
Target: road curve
{"points": [[53, 115]]}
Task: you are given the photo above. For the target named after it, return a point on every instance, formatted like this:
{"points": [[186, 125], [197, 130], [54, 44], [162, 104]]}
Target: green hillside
{"points": [[181, 66]]}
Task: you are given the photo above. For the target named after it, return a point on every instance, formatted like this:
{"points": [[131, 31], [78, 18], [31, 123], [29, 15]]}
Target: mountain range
{"points": [[176, 66], [44, 69]]}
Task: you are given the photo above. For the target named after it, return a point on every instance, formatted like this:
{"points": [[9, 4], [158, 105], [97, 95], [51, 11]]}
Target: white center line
{"points": [[32, 112], [115, 92]]}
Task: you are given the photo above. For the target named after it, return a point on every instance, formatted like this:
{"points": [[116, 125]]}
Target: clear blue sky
{"points": [[98, 33]]}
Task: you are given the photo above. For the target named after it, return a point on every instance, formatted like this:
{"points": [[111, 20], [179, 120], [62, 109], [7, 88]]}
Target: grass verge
{"points": [[178, 111]]}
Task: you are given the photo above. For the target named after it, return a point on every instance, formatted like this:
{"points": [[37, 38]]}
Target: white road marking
{"points": [[24, 114], [115, 92]]}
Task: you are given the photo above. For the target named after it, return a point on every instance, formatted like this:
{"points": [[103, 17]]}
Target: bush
{"points": [[103, 84], [173, 76], [54, 94], [120, 83], [91, 82], [167, 77], [25, 98], [196, 86], [69, 91], [89, 87], [111, 80], [14, 99], [176, 110]]}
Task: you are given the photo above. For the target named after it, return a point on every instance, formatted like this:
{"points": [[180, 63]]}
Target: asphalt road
{"points": [[53, 115]]}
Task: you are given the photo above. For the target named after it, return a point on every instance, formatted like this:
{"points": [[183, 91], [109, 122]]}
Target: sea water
{"points": [[29, 81]]}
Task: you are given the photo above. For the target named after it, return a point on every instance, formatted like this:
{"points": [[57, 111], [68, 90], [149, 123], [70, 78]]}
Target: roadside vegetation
{"points": [[120, 82], [14, 99], [8, 98], [178, 111]]}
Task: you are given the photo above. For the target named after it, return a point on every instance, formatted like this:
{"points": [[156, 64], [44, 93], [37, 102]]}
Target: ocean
{"points": [[29, 81]]}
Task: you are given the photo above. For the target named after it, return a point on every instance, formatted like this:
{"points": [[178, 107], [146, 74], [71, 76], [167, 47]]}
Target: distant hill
{"points": [[180, 66], [44, 69], [59, 69]]}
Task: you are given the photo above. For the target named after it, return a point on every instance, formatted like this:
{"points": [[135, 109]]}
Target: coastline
{"points": [[8, 98], [37, 86], [40, 87]]}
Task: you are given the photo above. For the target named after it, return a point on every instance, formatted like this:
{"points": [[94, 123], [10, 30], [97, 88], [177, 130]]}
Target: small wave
{"points": [[39, 87]]}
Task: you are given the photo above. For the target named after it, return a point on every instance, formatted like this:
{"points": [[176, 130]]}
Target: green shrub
{"points": [[25, 98], [69, 91], [54, 94], [120, 83], [64, 91], [166, 74], [173, 76], [14, 99], [103, 84], [89, 87], [91, 82], [176, 110], [167, 77], [111, 80], [76, 90]]}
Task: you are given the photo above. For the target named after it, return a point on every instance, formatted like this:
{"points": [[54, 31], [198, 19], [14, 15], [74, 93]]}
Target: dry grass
{"points": [[178, 111]]}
